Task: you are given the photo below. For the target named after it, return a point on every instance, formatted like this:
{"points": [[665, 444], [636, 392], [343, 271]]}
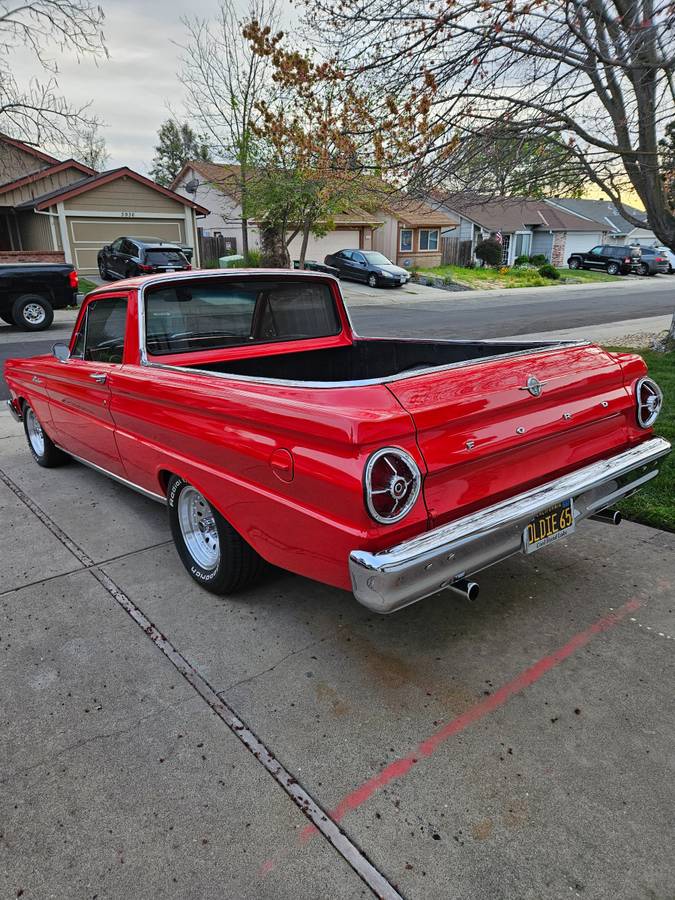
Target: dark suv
{"points": [[652, 261], [130, 256], [612, 259]]}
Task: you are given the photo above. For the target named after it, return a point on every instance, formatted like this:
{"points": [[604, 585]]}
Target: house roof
{"points": [[97, 180], [511, 214], [39, 174], [26, 148], [417, 213], [602, 212]]}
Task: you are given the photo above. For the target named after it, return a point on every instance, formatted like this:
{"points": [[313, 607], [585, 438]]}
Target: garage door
{"points": [[88, 235], [318, 248], [580, 243]]}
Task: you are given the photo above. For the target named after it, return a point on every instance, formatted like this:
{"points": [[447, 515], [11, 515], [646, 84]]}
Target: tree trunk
{"points": [[244, 216], [244, 236], [273, 252], [303, 246]]}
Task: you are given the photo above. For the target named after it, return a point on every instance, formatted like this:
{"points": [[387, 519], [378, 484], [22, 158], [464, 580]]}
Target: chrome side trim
{"points": [[533, 346], [160, 498], [394, 578], [17, 416]]}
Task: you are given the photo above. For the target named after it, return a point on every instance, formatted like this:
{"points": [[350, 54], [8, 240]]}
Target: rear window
{"points": [[165, 258], [182, 318]]}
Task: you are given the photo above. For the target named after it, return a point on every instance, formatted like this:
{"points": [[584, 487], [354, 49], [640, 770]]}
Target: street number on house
{"points": [[128, 215]]}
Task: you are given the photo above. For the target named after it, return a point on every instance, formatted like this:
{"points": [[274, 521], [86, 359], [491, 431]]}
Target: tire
{"points": [[32, 312], [215, 556], [643, 269], [613, 268], [574, 264], [7, 318], [43, 450], [372, 281], [103, 272]]}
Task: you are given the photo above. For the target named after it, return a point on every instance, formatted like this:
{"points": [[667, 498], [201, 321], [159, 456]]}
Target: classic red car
{"points": [[394, 468]]}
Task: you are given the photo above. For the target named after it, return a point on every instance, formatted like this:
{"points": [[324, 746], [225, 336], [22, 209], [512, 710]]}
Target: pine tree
{"points": [[177, 145]]}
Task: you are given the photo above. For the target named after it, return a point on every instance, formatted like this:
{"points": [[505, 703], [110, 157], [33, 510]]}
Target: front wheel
{"points": [[44, 451], [32, 312], [103, 272], [613, 269], [214, 554], [372, 281]]}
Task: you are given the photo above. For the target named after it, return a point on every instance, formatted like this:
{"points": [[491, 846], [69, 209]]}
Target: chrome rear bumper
{"points": [[15, 413], [430, 562]]}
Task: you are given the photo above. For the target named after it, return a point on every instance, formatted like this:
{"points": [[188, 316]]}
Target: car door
{"points": [[80, 388], [114, 257], [360, 266], [595, 258]]}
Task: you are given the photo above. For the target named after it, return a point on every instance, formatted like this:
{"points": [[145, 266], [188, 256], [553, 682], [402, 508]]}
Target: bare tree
{"points": [[224, 80], [594, 76], [87, 145], [36, 111]]}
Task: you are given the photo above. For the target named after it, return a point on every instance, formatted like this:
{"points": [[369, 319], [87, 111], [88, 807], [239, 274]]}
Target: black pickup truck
{"points": [[30, 292]]}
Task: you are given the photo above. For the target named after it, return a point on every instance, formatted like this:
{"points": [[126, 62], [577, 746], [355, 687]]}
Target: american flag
{"points": [[499, 237]]}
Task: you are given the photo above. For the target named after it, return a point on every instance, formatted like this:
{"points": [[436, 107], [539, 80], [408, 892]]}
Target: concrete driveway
{"points": [[286, 743]]}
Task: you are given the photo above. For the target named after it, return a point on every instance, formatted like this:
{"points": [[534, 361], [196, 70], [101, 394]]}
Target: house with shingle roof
{"points": [[524, 226], [607, 216], [62, 210], [406, 231]]}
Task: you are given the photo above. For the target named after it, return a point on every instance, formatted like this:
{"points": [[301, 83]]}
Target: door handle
{"points": [[99, 377]]}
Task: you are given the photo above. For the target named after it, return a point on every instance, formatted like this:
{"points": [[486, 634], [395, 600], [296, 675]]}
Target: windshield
{"points": [[210, 314], [377, 259]]}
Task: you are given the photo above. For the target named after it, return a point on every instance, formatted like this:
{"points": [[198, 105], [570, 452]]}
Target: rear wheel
{"points": [[214, 554], [613, 268], [643, 269], [32, 312], [574, 264], [44, 451]]}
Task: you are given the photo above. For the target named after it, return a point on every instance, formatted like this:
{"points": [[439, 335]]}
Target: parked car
{"points": [[30, 292], [392, 467], [615, 260], [130, 256], [652, 262], [670, 256], [367, 265]]}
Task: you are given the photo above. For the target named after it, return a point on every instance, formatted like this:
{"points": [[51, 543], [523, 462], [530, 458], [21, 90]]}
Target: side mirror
{"points": [[61, 351]]}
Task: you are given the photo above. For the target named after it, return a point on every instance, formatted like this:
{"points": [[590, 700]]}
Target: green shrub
{"points": [[489, 252], [538, 259], [549, 271], [252, 259], [521, 261]]}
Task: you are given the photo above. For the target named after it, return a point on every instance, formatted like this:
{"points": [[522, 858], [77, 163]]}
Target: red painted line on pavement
{"points": [[401, 767]]}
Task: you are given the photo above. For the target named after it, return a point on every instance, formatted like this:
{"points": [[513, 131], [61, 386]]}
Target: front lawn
{"points": [[655, 504], [492, 278]]}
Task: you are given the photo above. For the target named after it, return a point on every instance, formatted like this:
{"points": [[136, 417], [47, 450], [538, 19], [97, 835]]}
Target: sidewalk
{"points": [[629, 332]]}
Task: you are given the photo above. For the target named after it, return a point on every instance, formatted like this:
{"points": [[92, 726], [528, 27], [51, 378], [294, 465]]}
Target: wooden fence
{"points": [[455, 252], [213, 247]]}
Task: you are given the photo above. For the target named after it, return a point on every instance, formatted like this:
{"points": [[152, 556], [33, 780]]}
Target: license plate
{"points": [[549, 525]]}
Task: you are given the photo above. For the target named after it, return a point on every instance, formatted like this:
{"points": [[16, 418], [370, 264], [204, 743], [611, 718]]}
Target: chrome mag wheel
{"points": [[35, 434], [34, 314], [198, 528]]}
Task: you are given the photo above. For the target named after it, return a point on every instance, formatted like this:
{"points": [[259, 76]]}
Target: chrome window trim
{"points": [[536, 346]]}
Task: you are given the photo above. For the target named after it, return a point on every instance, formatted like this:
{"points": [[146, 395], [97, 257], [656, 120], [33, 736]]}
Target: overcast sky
{"points": [[130, 91]]}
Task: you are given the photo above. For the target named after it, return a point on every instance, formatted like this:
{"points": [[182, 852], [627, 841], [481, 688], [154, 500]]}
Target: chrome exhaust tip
{"points": [[608, 516], [467, 589]]}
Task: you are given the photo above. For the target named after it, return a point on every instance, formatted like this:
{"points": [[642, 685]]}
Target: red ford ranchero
{"points": [[394, 468]]}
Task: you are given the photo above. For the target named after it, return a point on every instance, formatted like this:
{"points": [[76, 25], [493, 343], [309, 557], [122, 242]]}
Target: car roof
{"points": [[195, 274], [149, 242]]}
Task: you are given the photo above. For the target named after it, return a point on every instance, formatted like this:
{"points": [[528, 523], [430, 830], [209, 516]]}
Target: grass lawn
{"points": [[85, 285], [655, 504], [490, 278]]}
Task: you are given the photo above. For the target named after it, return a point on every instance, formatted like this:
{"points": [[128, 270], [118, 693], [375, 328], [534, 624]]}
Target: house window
{"points": [[506, 244], [428, 238], [405, 240], [523, 244]]}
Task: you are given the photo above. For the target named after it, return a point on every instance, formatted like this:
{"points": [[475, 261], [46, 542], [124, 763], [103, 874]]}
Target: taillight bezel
{"points": [[411, 500], [646, 420]]}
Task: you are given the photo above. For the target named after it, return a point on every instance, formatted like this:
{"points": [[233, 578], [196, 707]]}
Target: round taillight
{"points": [[392, 484], [648, 400]]}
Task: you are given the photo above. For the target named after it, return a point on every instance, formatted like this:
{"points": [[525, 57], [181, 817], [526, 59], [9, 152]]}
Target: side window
{"points": [[358, 257], [104, 332], [596, 251], [116, 245], [129, 248], [346, 254]]}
